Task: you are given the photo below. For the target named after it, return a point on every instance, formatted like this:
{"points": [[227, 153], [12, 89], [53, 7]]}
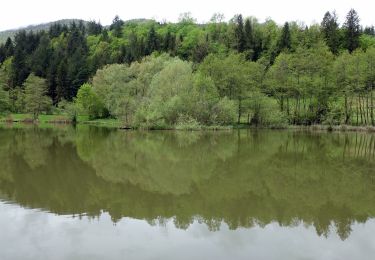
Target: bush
{"points": [[265, 111], [4, 101], [334, 116], [224, 112], [186, 122], [68, 108], [88, 102], [276, 119]]}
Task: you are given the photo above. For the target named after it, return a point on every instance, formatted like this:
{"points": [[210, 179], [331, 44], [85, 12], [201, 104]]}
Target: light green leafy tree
{"points": [[36, 98], [234, 77], [168, 90], [89, 102], [108, 82], [4, 101], [125, 89]]}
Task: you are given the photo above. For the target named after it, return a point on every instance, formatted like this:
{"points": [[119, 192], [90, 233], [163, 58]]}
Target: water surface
{"points": [[96, 193]]}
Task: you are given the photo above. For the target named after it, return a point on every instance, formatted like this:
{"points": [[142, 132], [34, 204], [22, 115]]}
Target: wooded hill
{"points": [[314, 73]]}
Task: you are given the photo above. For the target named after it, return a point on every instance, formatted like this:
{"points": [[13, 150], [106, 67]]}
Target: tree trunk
{"points": [[346, 110], [360, 108], [367, 110], [239, 111], [372, 108], [357, 112]]}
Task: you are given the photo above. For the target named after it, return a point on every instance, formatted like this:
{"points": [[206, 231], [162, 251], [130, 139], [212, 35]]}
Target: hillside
{"points": [[158, 75], [39, 27]]}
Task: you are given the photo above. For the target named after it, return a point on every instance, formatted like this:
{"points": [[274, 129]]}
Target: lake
{"points": [[97, 193]]}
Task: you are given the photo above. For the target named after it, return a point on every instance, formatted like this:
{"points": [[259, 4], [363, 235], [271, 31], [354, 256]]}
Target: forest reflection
{"points": [[242, 178]]}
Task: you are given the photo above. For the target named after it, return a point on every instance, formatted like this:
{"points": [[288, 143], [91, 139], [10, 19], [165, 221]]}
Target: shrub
{"points": [[224, 112]]}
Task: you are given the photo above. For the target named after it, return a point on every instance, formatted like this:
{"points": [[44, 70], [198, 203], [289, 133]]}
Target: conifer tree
{"points": [[152, 42], [352, 30], [330, 29], [249, 38], [285, 39], [9, 48], [239, 33], [94, 28], [116, 26], [249, 35]]}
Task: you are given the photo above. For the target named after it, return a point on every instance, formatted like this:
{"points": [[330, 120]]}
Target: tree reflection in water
{"points": [[243, 178]]}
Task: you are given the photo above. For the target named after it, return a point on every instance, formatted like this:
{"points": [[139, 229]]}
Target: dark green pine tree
{"points": [[104, 37], [77, 58], [369, 31], [330, 30], [136, 48], [2, 54], [51, 81], [201, 50], [62, 83], [239, 34], [57, 55], [141, 49], [25, 44], [78, 71], [121, 57], [284, 42], [75, 39], [152, 42], [94, 28], [9, 48], [249, 39], [116, 26], [81, 27], [167, 41], [56, 29], [172, 45], [41, 57], [352, 30]]}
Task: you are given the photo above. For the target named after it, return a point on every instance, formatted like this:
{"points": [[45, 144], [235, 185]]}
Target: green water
{"points": [[96, 193]]}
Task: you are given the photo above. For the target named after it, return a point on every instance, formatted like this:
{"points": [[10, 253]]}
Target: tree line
{"points": [[151, 73]]}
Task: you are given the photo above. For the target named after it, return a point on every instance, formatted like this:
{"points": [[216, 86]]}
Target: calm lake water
{"points": [[96, 193]]}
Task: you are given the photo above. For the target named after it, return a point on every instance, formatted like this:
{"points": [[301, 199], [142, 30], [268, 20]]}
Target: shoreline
{"points": [[112, 123]]}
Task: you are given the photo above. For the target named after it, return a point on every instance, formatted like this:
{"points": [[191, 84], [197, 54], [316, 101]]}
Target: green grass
{"points": [[50, 121], [42, 118], [45, 120], [108, 122]]}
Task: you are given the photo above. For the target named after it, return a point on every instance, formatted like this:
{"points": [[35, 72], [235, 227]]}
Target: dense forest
{"points": [[158, 74]]}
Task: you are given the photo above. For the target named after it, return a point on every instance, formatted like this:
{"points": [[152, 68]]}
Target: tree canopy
{"points": [[146, 72]]}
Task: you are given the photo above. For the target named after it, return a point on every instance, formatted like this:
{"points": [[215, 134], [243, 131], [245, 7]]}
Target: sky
{"points": [[19, 13]]}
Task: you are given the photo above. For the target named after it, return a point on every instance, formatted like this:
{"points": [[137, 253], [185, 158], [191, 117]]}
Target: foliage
{"points": [[330, 29], [146, 73], [158, 91], [70, 109], [36, 98], [4, 101], [352, 29], [234, 77], [88, 102]]}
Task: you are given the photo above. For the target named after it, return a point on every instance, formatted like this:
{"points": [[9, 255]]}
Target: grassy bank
{"points": [[335, 128], [53, 120], [107, 122]]}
